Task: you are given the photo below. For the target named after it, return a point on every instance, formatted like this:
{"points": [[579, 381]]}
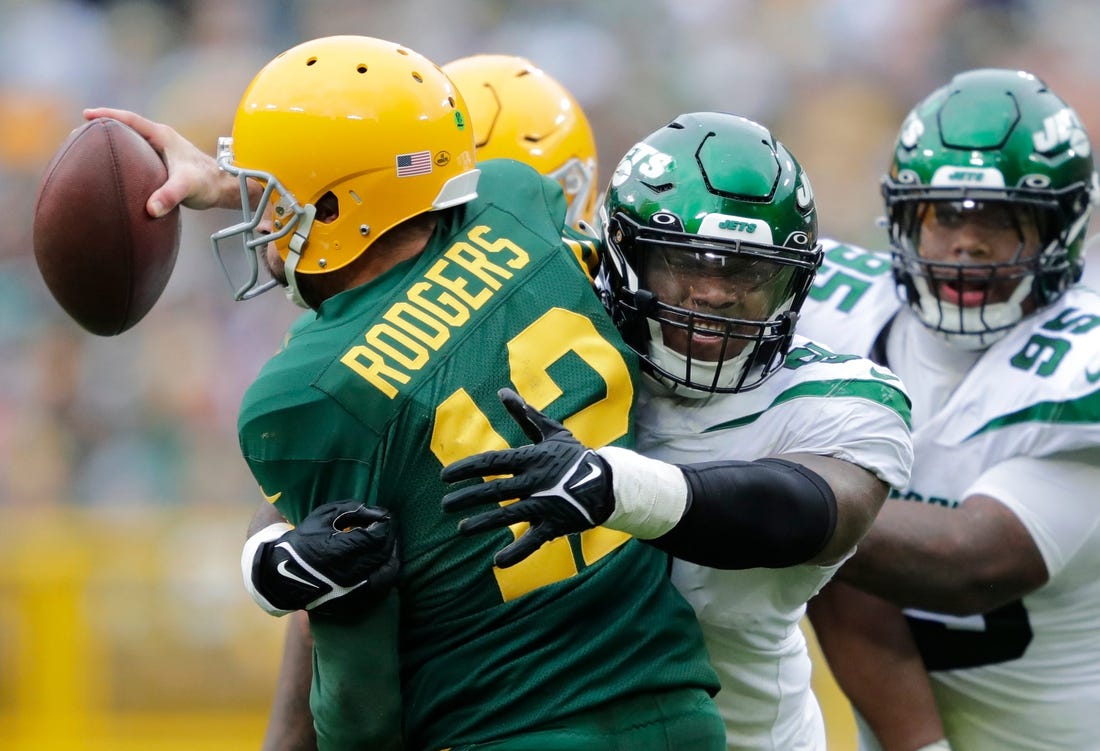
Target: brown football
{"points": [[103, 258]]}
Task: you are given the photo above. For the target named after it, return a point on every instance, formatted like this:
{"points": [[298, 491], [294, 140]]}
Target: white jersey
{"points": [[1019, 422], [818, 403]]}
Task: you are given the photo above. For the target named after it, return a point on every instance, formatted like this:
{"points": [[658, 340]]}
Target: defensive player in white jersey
{"points": [[774, 452], [994, 543]]}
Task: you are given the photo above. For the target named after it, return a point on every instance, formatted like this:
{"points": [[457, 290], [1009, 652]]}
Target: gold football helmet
{"points": [[369, 129], [520, 112]]}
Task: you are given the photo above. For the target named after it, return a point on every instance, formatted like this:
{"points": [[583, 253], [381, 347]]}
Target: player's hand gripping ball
{"points": [[103, 258]]}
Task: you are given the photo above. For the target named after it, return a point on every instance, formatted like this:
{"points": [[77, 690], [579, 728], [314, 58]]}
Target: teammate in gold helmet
{"points": [[521, 112]]}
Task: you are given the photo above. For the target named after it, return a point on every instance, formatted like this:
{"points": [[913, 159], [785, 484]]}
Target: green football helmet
{"points": [[711, 235], [1000, 141]]}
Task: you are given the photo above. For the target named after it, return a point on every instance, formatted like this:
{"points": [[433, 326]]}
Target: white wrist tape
{"points": [[650, 496], [248, 556], [940, 745]]}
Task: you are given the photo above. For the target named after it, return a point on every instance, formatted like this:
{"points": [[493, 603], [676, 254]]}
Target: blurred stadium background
{"points": [[123, 624]]}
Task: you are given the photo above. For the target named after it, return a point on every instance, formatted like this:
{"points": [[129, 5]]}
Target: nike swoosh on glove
{"points": [[562, 486], [339, 561]]}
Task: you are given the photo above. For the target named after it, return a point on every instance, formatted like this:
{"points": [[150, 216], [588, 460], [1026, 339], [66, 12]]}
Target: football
{"points": [[103, 258]]}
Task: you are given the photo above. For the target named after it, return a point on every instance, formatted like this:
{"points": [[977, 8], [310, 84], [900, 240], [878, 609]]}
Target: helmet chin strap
{"points": [[974, 323], [297, 242], [702, 371]]}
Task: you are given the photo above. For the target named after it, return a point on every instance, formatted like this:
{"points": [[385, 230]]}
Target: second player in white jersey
{"points": [[994, 544], [1019, 422]]}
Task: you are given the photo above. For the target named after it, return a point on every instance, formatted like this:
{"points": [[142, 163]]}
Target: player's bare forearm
{"points": [[265, 515], [290, 724], [871, 653], [859, 497], [962, 561]]}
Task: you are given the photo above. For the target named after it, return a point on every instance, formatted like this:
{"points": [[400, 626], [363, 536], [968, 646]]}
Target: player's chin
{"points": [[274, 264]]}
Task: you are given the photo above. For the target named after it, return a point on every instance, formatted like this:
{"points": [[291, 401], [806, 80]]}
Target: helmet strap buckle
{"points": [[297, 242]]}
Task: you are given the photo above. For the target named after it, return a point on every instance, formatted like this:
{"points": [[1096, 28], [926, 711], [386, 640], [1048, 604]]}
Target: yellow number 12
{"points": [[462, 429]]}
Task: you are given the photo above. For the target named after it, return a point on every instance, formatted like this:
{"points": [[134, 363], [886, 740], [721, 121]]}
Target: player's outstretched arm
{"points": [[1018, 525], [194, 179], [340, 561], [771, 512], [871, 653]]}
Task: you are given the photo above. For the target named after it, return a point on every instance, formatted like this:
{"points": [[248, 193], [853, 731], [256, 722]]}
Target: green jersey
{"points": [[397, 378]]}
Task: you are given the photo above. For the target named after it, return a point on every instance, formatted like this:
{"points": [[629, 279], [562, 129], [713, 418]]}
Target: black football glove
{"points": [[563, 486], [339, 561]]}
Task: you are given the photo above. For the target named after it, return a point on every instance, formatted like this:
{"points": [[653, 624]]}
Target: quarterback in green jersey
{"points": [[433, 282]]}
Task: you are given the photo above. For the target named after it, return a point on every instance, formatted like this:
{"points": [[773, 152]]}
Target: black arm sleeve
{"points": [[769, 513]]}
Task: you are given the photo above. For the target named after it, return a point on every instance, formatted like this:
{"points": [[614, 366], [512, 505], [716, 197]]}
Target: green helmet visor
{"points": [[1053, 214], [731, 285]]}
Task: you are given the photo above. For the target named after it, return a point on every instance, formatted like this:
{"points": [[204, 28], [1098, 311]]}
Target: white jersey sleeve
{"points": [[845, 427], [1046, 494]]}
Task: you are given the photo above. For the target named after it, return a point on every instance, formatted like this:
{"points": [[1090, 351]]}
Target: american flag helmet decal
{"points": [[416, 163]]}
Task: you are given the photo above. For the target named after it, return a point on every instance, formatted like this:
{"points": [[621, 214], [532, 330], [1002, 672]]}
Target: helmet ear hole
{"points": [[328, 208]]}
